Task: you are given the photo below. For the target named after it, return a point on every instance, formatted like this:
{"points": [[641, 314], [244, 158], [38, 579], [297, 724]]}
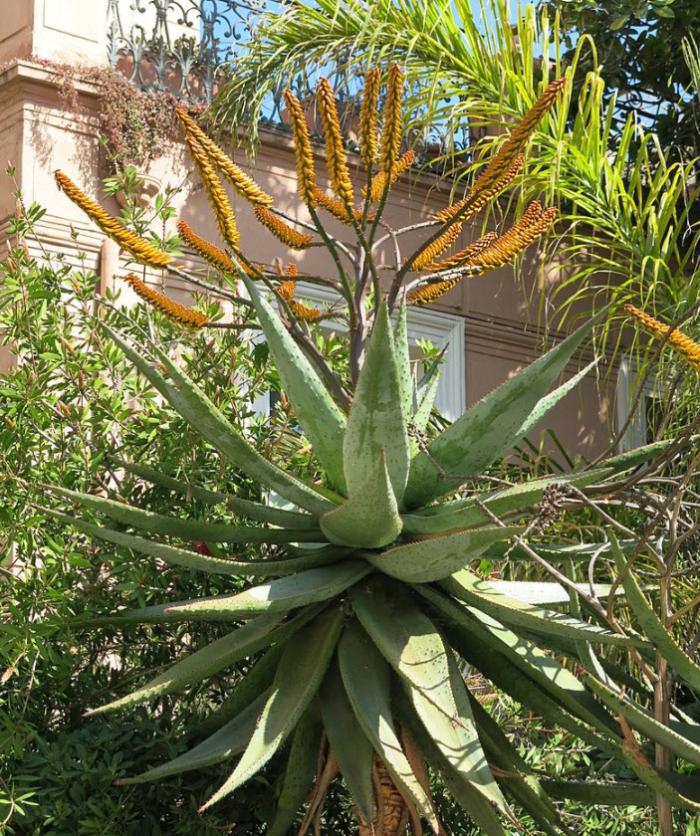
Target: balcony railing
{"points": [[187, 47]]}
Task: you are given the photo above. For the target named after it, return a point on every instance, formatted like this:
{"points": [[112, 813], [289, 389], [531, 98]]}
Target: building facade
{"points": [[487, 323]]}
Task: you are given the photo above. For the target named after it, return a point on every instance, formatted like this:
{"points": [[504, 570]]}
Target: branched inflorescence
{"points": [[287, 289], [687, 348]]}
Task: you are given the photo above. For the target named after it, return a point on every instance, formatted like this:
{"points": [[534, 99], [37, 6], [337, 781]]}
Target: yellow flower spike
{"points": [[337, 208], [210, 252], [241, 182], [286, 234], [465, 256], [173, 310], [431, 292], [677, 340], [368, 118], [336, 159], [477, 198], [391, 134], [219, 200], [379, 180], [439, 245], [140, 249], [306, 174]]}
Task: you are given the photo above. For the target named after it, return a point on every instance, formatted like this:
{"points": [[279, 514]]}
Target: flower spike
{"points": [[688, 349], [287, 289], [335, 150], [427, 255], [337, 208], [368, 118], [219, 200], [379, 180], [210, 252], [173, 310], [478, 199], [306, 174], [140, 249], [241, 182], [465, 256], [429, 293], [281, 230], [391, 135]]}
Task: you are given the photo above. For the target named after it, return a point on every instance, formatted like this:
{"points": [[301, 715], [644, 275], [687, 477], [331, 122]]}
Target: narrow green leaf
{"points": [[204, 417], [348, 742], [633, 458], [298, 677], [300, 772], [651, 624], [370, 518], [467, 513], [403, 359], [244, 641], [476, 592], [612, 794], [320, 417], [377, 422], [559, 683], [228, 741], [241, 507], [544, 405], [367, 680], [411, 644], [644, 722], [280, 595], [489, 428], [192, 560], [438, 557]]}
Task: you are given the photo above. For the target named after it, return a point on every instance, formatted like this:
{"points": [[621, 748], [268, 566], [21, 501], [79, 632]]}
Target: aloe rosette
{"points": [[359, 623]]}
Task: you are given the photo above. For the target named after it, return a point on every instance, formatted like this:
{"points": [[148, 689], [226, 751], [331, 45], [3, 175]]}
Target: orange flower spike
{"points": [[688, 349], [142, 250], [219, 200], [335, 149], [429, 254], [518, 238], [241, 182], [173, 310], [368, 118], [465, 256], [306, 174], [286, 234], [337, 208], [391, 134]]}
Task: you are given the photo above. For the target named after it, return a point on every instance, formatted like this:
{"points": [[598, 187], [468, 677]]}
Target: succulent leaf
{"points": [[241, 507], [228, 741], [489, 428], [208, 421], [318, 414], [651, 623], [282, 595], [348, 742], [480, 594], [403, 359], [300, 772], [377, 421], [370, 518], [367, 680], [411, 644], [438, 557], [299, 675]]}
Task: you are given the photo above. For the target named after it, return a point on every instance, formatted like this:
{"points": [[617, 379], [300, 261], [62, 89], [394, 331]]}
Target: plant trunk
{"points": [[392, 815]]}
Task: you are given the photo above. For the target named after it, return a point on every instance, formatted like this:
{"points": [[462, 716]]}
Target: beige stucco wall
{"points": [[38, 135]]}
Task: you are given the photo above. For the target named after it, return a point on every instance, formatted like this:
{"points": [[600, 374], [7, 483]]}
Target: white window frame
{"points": [[626, 391], [444, 330]]}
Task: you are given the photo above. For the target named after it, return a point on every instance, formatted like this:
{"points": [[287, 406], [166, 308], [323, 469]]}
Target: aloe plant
{"points": [[357, 622]]}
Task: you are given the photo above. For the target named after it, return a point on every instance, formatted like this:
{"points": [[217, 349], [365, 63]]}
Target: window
{"points": [[442, 329], [640, 427]]}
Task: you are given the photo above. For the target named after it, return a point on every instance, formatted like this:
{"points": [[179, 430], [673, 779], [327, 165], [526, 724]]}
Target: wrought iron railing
{"points": [[186, 47]]}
